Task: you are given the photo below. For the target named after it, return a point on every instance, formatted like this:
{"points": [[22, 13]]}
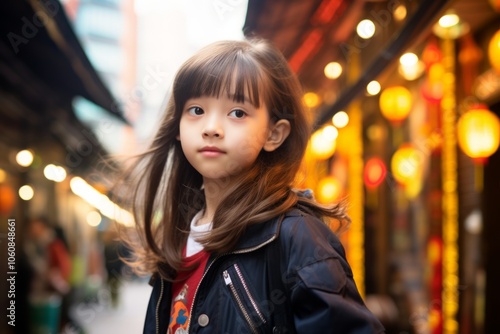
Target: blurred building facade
{"points": [[46, 151]]}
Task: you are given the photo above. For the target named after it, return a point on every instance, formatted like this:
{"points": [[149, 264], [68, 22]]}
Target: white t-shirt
{"points": [[193, 246]]}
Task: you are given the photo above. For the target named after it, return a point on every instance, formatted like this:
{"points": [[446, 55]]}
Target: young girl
{"points": [[233, 248]]}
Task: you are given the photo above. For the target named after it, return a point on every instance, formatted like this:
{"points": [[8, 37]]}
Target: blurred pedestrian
{"points": [[114, 253], [51, 265]]}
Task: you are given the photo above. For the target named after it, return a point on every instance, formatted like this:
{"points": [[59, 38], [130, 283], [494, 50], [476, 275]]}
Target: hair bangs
{"points": [[237, 76]]}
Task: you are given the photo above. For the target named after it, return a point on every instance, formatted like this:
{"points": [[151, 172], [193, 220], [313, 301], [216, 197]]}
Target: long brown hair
{"points": [[169, 191]]}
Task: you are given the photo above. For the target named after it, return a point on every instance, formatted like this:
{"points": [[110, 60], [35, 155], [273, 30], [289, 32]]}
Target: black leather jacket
{"points": [[233, 295]]}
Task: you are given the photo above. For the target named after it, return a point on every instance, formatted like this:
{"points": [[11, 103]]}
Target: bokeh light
{"points": [[365, 29], [340, 119], [24, 158], [333, 70], [26, 192]]}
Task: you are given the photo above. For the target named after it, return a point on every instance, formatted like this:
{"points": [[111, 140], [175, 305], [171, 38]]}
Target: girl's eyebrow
{"points": [[236, 97]]}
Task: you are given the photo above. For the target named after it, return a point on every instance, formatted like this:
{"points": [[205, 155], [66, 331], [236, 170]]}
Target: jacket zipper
{"points": [[158, 307], [252, 301], [229, 283], [242, 251]]}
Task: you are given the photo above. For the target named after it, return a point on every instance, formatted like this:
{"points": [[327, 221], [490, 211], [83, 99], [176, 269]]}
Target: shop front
{"points": [[43, 146], [405, 98]]}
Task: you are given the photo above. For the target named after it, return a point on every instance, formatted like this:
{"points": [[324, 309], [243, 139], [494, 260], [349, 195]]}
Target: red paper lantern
{"points": [[374, 173], [479, 133], [431, 54]]}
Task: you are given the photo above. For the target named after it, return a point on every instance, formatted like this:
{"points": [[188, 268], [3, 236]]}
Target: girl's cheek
{"points": [[250, 147]]}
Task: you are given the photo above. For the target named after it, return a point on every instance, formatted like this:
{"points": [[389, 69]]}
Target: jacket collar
{"points": [[260, 234]]}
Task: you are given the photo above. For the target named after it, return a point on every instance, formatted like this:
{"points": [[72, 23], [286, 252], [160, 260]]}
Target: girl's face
{"points": [[222, 138]]}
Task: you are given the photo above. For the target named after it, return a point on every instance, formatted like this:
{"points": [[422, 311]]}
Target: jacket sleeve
{"points": [[322, 292]]}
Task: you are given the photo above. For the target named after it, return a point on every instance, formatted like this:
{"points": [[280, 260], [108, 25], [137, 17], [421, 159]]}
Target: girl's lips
{"points": [[210, 151]]}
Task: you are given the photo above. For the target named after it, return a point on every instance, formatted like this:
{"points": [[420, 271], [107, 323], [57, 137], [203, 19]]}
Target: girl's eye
{"points": [[238, 113], [196, 111]]}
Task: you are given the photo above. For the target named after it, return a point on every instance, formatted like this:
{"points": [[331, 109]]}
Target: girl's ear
{"points": [[277, 135]]}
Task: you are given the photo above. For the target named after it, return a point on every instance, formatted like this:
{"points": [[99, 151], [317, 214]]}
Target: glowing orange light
{"points": [[311, 99], [431, 54], [7, 199], [375, 172], [494, 51], [329, 190], [406, 164], [479, 133], [395, 103], [323, 143]]}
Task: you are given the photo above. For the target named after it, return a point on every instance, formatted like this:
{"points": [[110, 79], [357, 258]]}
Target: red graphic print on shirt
{"points": [[183, 292], [180, 313]]}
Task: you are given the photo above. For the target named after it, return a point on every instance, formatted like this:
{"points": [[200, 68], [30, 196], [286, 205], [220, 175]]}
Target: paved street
{"points": [[128, 317]]}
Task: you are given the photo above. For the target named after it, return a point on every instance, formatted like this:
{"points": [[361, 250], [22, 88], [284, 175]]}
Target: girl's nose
{"points": [[215, 132], [213, 129]]}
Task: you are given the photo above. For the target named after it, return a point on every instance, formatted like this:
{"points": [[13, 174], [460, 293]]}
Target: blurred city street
{"points": [[127, 317]]}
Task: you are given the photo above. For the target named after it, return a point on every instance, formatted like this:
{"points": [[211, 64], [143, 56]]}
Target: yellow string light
{"points": [[356, 237], [450, 196]]}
